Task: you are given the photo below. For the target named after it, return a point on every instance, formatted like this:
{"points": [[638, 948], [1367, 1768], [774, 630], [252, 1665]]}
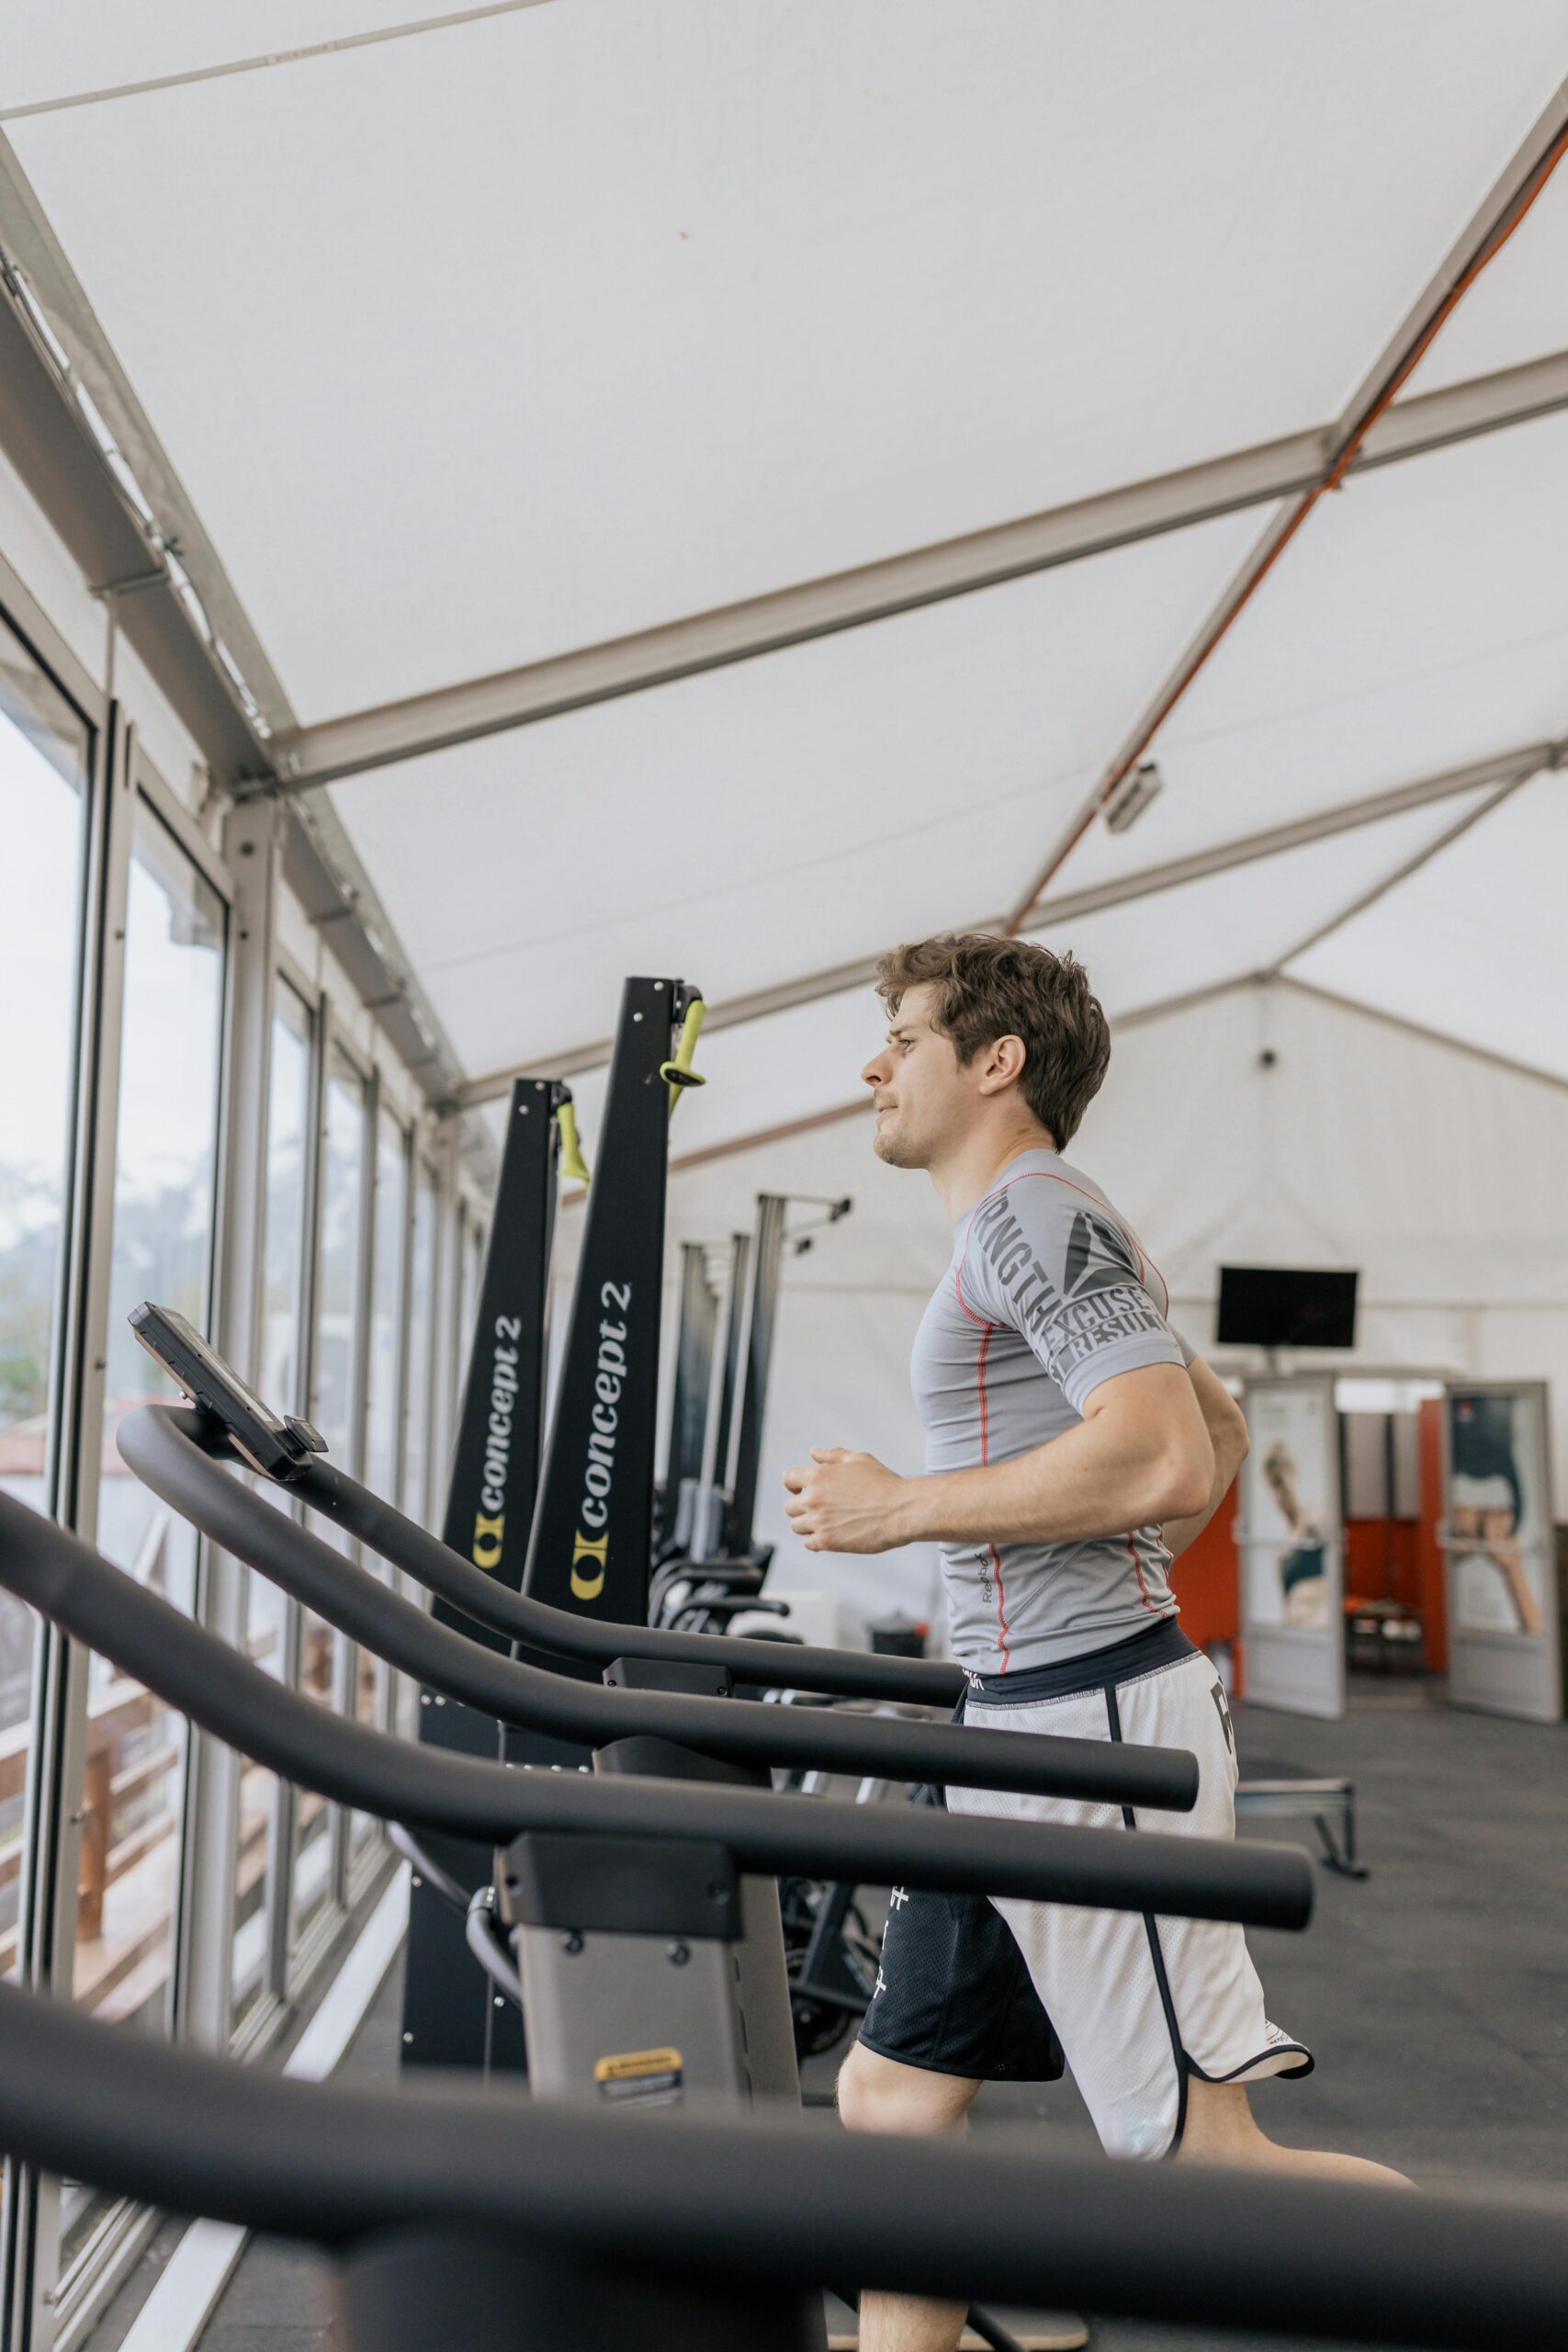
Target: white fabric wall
{"points": [[1438, 1173]]}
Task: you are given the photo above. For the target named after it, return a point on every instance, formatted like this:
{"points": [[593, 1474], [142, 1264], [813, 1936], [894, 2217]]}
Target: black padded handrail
{"points": [[156, 1442], [845, 1674], [432, 1788], [778, 2202]]}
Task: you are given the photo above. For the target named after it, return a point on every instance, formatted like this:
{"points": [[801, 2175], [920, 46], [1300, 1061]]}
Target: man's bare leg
{"points": [[1221, 2128], [877, 2094]]}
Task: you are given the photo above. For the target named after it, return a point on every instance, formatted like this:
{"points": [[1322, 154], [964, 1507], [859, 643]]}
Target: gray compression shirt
{"points": [[1048, 1294]]}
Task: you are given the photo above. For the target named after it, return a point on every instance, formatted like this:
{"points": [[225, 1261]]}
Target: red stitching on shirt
{"points": [[987, 1327], [1138, 1569], [958, 1291], [984, 1458]]}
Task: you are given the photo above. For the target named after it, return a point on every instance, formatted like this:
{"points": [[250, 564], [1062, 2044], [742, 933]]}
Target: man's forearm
{"points": [[1091, 1481], [1227, 1435], [1176, 1534]]}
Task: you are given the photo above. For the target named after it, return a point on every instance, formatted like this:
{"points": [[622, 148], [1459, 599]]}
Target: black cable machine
{"points": [[712, 1567], [696, 1331]]}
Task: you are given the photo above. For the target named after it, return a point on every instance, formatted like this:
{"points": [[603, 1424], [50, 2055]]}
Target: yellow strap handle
{"points": [[572, 1163], [679, 1072]]}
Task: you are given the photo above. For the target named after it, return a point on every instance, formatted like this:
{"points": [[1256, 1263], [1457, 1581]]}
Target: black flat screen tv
{"points": [[1286, 1306]]}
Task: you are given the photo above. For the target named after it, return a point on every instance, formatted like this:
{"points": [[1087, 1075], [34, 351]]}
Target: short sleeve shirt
{"points": [[1048, 1294]]}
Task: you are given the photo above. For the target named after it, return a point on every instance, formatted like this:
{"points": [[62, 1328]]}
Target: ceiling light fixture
{"points": [[1131, 797]]}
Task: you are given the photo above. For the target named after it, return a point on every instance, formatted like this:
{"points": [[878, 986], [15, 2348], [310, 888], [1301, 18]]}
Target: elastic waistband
{"points": [[1164, 1643]]}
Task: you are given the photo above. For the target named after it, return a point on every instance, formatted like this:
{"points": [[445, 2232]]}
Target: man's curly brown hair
{"points": [[982, 988]]}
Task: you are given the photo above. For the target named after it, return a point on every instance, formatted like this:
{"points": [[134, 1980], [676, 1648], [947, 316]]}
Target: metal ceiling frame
{"points": [[1510, 193], [126, 521], [1508, 768], [87, 492], [362, 740], [268, 60], [1402, 872], [1419, 1030], [1166, 1008]]}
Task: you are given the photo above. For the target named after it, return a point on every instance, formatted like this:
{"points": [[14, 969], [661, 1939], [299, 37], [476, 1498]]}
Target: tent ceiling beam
{"points": [[808, 988], [1418, 1029], [366, 740], [1355, 431], [1508, 768], [1187, 1001], [1401, 873], [1166, 1008]]}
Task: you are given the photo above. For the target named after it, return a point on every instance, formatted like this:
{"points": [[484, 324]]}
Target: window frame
{"points": [[130, 784]]}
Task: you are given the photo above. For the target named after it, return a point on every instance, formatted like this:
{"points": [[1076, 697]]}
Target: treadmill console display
{"points": [[274, 1444]]}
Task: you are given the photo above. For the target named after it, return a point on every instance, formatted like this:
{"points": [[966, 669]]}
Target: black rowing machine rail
{"points": [[449, 2016], [590, 1548]]}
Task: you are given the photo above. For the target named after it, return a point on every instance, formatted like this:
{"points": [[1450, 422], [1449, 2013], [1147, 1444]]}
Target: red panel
{"points": [[1431, 1584], [1383, 1561], [1207, 1580]]}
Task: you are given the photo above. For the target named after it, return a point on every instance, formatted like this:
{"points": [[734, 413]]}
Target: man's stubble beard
{"points": [[897, 1153]]}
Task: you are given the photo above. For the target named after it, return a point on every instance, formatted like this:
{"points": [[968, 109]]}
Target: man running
{"points": [[1074, 1447]]}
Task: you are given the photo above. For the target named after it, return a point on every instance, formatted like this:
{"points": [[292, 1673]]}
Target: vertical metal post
{"points": [[253, 851], [52, 1839], [444, 1376], [717, 1474], [766, 1254], [293, 1624], [698, 1316]]}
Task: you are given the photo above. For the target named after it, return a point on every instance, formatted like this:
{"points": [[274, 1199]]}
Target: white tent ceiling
{"points": [[478, 344]]}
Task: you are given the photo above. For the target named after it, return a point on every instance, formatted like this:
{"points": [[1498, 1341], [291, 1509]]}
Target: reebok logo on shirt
{"points": [[1099, 1299]]}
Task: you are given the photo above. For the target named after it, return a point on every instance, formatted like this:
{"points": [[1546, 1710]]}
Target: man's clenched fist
{"points": [[841, 1501]]}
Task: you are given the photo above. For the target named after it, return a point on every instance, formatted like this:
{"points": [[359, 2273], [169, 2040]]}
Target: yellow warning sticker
{"points": [[639, 2073], [627, 2065]]}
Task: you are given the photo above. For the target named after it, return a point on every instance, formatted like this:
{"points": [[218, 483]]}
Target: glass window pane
{"points": [[287, 1140], [473, 1270], [386, 1308], [43, 769], [470, 1271], [383, 1370], [336, 1398], [288, 1143], [165, 1168], [335, 1411], [418, 1501]]}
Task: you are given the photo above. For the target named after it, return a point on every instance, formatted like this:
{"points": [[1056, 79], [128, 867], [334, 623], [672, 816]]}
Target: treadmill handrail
{"points": [[850, 1674], [775, 2201], [778, 1833], [157, 1443]]}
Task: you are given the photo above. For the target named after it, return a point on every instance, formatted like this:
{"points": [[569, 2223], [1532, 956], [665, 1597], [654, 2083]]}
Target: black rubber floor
{"points": [[1435, 1993]]}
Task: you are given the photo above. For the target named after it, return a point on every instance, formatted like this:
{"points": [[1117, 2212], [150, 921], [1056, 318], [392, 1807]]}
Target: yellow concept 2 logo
{"points": [[588, 1547], [488, 1537]]}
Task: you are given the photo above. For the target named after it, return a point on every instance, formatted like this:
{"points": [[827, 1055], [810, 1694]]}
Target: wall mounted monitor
{"points": [[1286, 1306]]}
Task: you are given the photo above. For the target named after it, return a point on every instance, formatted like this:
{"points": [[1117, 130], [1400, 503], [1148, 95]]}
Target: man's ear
{"points": [[1004, 1065]]}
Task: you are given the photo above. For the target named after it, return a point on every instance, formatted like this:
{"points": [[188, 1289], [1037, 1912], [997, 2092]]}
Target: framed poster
{"points": [[1291, 1550], [1504, 1643]]}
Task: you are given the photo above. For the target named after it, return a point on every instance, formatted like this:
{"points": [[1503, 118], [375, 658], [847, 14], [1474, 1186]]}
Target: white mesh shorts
{"points": [[1140, 2004]]}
